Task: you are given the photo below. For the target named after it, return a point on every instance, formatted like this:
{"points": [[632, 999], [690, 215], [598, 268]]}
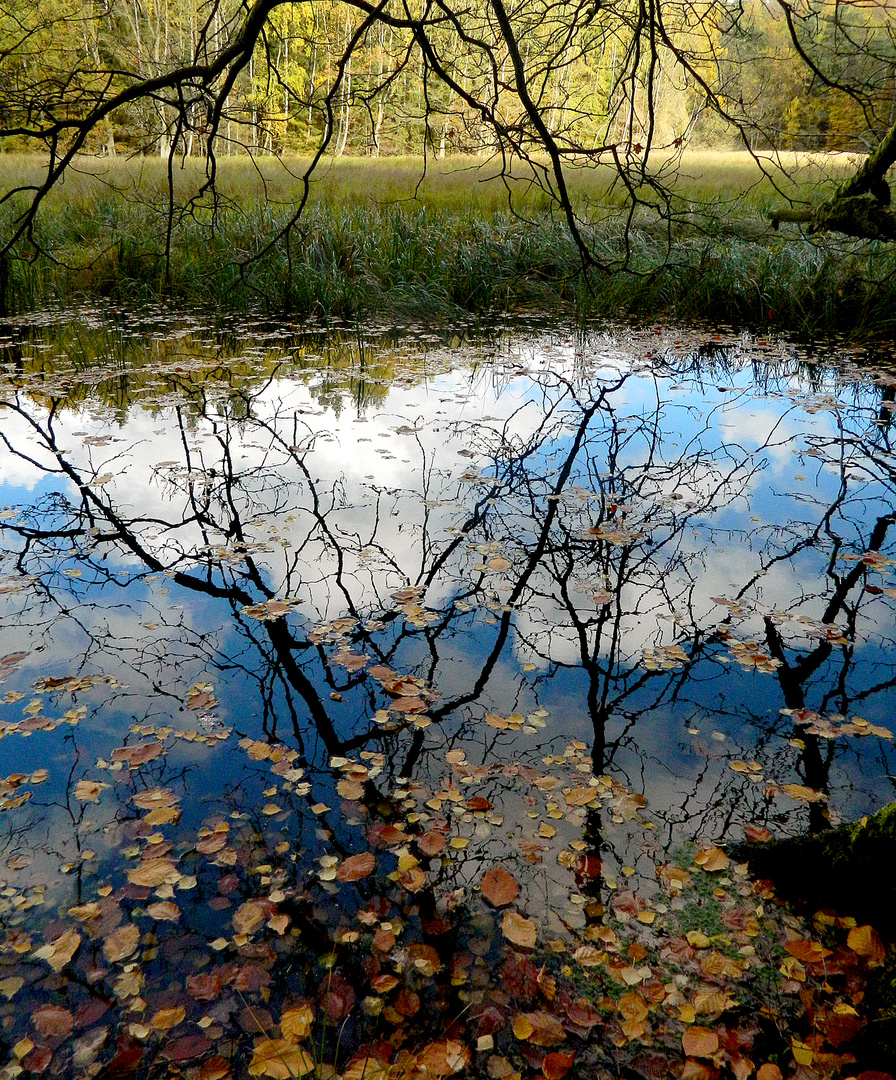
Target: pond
{"points": [[347, 670]]}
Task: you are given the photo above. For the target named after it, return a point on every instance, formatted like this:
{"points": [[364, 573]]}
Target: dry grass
{"points": [[456, 184]]}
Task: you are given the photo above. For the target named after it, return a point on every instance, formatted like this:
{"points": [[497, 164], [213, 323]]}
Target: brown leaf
{"points": [[499, 887], [768, 1072], [540, 1028], [478, 804], [216, 1068], [151, 873], [519, 930], [205, 987], [186, 1048], [60, 950], [139, 754], [431, 843], [699, 1042], [249, 916], [757, 834], [53, 1021], [356, 867]]}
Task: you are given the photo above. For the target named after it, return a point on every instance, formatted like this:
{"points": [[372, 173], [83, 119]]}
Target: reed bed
{"points": [[390, 236]]}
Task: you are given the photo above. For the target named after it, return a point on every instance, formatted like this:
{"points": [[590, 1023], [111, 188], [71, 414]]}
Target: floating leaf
{"points": [[165, 1019], [53, 1021], [712, 859], [295, 1024], [356, 867], [60, 951], [499, 887], [89, 790], [279, 1059], [519, 930], [121, 943]]}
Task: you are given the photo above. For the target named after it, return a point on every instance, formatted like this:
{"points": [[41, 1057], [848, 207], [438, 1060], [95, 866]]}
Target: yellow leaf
{"points": [[165, 1019], [279, 1059], [295, 1024]]}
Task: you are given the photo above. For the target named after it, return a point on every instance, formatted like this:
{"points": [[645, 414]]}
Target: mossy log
{"points": [[860, 206], [851, 868]]}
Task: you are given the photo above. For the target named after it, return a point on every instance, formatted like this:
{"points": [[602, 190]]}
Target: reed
{"points": [[376, 238]]}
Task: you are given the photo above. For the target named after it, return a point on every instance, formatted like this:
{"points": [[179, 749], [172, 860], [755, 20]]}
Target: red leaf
{"points": [[757, 834]]}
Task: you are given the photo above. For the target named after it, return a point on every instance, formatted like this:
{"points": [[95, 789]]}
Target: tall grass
{"points": [[376, 238]]}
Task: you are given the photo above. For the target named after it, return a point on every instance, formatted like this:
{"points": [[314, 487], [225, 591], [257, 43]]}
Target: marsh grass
{"points": [[388, 236]]}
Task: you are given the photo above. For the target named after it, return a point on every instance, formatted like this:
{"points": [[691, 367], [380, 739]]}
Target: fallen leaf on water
{"points": [[165, 1019], [121, 943], [295, 1024], [712, 859], [499, 887], [279, 1059], [89, 790], [356, 867], [519, 930], [59, 952], [53, 1021]]}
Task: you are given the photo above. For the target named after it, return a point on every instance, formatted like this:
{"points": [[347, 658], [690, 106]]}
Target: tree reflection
{"points": [[591, 603]]}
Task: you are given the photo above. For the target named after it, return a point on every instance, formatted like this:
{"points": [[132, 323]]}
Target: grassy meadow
{"points": [[402, 237]]}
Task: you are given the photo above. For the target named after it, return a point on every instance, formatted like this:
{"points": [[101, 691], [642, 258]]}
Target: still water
{"points": [[275, 599]]}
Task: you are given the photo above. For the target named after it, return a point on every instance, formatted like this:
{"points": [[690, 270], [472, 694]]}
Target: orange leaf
{"points": [[356, 867], [519, 930], [712, 859], [768, 1072], [499, 887], [810, 952], [444, 1058], [699, 1042], [555, 1066], [865, 941]]}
